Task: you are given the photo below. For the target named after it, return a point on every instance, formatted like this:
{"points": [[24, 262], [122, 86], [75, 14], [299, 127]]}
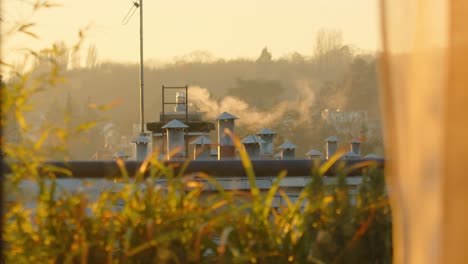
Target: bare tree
{"points": [[92, 57]]}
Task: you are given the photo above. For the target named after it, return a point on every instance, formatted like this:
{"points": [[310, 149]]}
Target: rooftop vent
{"points": [[202, 149], [226, 148], [288, 150], [252, 146], [266, 148], [331, 146], [141, 145], [175, 139], [314, 154]]}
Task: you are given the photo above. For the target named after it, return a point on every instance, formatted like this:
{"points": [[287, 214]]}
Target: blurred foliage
{"points": [[167, 218]]}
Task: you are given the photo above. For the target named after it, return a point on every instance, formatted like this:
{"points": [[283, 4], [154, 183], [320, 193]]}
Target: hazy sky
{"points": [[227, 29]]}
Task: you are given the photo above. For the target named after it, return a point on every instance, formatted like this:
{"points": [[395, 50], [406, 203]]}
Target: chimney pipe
{"points": [[202, 149], [355, 145], [314, 154], [331, 146], [226, 149], [252, 146], [288, 151], [266, 148], [141, 144], [175, 139]]}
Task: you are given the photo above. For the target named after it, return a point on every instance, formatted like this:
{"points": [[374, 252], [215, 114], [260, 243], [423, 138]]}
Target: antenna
{"points": [[130, 13], [127, 18]]}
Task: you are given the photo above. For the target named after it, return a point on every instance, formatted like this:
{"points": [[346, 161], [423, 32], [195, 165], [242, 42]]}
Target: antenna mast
{"points": [[142, 113], [127, 18]]}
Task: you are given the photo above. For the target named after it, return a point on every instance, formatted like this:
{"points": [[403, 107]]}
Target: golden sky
{"points": [[227, 29]]}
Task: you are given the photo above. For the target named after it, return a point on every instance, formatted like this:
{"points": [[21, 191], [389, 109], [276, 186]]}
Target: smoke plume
{"points": [[248, 115]]}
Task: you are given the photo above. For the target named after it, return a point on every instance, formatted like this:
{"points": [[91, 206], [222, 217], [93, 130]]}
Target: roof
{"points": [[225, 116], [175, 124], [251, 139], [141, 140], [355, 140], [201, 141], [332, 139], [314, 152], [266, 131], [287, 145], [277, 155]]}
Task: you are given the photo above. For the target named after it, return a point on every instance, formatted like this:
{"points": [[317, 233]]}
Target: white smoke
{"points": [[248, 115]]}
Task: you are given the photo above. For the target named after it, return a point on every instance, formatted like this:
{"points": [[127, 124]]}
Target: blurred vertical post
{"points": [[424, 97]]}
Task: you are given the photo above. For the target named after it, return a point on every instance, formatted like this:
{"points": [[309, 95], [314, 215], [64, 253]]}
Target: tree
{"points": [[331, 57], [263, 94], [92, 57], [265, 56]]}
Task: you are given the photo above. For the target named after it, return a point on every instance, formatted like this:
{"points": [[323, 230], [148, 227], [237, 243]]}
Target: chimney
{"points": [[141, 144], [181, 102], [355, 145], [266, 148], [175, 131], [331, 146], [314, 154], [202, 149], [226, 149], [288, 151], [252, 146]]}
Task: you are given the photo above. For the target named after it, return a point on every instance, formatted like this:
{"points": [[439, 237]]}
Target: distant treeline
{"points": [[335, 77]]}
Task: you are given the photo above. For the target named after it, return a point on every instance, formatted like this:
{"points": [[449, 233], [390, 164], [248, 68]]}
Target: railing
{"points": [[215, 168]]}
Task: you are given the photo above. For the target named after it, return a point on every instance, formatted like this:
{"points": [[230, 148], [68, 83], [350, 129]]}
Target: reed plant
{"points": [[168, 218]]}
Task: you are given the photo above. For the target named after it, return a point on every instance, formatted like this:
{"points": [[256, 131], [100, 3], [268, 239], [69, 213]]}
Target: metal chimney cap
{"points": [[287, 145], [226, 116], [141, 140], [266, 131], [371, 156], [332, 139], [175, 124], [120, 154], [314, 152], [201, 141], [350, 154], [355, 140], [251, 139]]}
